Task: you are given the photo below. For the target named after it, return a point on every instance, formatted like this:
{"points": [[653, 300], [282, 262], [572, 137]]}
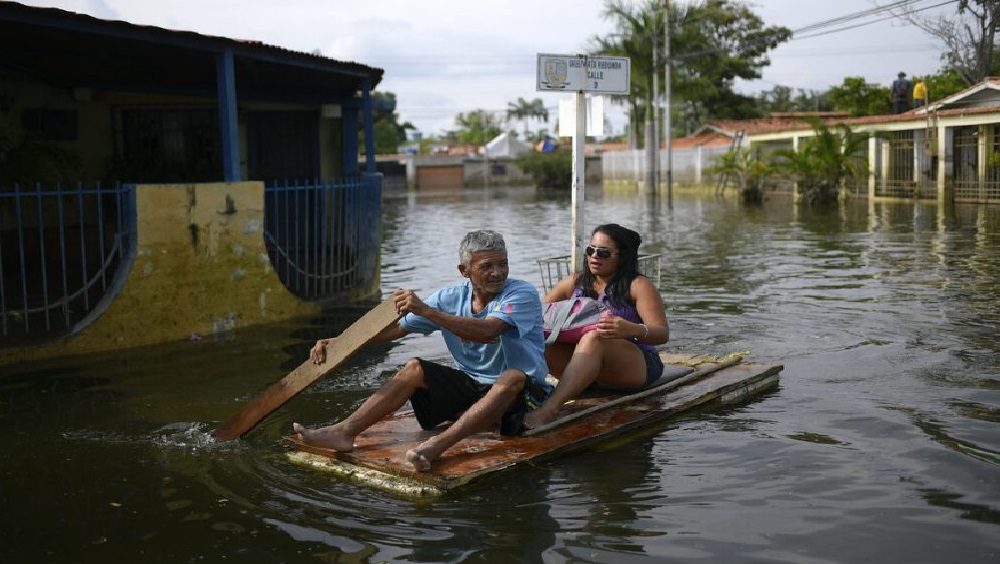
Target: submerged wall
{"points": [[200, 269]]}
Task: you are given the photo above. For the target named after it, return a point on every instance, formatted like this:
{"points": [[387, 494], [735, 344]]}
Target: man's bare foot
{"points": [[418, 461], [327, 437], [537, 418]]}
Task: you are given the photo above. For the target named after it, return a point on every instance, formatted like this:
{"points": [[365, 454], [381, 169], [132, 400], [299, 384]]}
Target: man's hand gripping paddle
{"points": [[339, 349]]}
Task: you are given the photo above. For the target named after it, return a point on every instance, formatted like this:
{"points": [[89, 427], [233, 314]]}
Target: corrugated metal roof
{"points": [[703, 139], [75, 50], [982, 98]]}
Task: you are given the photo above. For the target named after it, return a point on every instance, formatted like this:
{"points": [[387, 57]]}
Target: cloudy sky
{"points": [[442, 57]]}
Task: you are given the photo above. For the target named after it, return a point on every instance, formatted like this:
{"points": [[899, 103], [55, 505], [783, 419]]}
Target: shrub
{"points": [[548, 170], [33, 160], [823, 161], [748, 172]]}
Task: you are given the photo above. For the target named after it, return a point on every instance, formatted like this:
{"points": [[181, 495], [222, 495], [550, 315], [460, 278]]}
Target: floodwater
{"points": [[881, 444]]}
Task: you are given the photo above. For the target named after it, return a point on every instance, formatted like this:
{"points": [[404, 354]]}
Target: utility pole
{"points": [[485, 122], [666, 113], [655, 189], [651, 142], [579, 178]]}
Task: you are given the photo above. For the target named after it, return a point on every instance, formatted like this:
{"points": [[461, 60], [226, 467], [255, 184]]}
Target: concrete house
{"points": [[148, 173], [947, 151]]}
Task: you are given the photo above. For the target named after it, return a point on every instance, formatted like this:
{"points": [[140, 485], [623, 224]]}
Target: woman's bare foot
{"points": [[537, 418], [330, 437], [418, 460]]}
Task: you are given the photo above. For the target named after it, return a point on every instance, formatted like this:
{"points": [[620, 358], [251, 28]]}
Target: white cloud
{"points": [[442, 57]]}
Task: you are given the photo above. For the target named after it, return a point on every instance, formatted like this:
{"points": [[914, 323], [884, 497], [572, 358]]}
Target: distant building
{"points": [[948, 150]]}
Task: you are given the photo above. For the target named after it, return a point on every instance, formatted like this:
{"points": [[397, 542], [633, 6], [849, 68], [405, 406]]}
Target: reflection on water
{"points": [[883, 429]]}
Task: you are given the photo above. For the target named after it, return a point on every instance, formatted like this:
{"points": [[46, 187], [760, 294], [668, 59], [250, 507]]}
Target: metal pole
{"points": [[656, 120], [579, 178], [649, 140], [666, 113], [486, 149]]}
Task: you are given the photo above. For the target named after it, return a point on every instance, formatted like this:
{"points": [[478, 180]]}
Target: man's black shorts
{"points": [[450, 392]]}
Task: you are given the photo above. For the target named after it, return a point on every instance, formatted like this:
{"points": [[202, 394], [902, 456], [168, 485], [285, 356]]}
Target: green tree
{"points": [[969, 36], [524, 111], [747, 171], [944, 84], [639, 29], [860, 98], [389, 133], [34, 160], [477, 127], [548, 170], [785, 99], [712, 43], [823, 161]]}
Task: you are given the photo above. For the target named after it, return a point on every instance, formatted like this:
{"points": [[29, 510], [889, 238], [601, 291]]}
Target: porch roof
{"points": [[979, 99], [79, 51]]}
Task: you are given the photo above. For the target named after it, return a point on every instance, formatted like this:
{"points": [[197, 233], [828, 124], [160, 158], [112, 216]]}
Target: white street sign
{"points": [[595, 117], [583, 73]]}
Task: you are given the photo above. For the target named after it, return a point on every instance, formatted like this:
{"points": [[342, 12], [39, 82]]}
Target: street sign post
{"points": [[597, 74]]}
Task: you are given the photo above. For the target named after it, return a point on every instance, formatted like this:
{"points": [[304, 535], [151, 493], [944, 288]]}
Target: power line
{"points": [[853, 16], [837, 21], [868, 13], [846, 19]]}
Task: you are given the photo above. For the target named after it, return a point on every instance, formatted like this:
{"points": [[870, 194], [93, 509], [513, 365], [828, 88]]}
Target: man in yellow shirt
{"points": [[919, 93]]}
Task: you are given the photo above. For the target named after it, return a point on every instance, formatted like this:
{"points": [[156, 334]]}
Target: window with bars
{"points": [[170, 145]]}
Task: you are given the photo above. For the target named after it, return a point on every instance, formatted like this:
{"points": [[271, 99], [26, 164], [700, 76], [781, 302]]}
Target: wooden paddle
{"points": [[348, 342]]}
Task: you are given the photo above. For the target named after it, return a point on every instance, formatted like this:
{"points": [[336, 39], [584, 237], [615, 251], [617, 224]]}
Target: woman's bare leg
{"points": [[613, 363]]}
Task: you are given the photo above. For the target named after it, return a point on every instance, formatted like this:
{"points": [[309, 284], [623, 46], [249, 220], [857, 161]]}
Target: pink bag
{"points": [[567, 321]]}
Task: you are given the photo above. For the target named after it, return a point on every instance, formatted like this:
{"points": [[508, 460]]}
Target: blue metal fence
{"points": [[63, 250], [66, 250], [323, 237]]}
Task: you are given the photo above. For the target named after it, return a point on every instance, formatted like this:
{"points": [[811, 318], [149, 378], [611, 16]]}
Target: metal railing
{"points": [[323, 237], [688, 166], [973, 179], [64, 251], [554, 269]]}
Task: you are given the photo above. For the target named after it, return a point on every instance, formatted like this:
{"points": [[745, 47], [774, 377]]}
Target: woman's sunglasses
{"points": [[601, 252]]}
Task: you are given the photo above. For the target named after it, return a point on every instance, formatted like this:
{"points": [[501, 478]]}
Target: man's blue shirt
{"points": [[521, 347]]}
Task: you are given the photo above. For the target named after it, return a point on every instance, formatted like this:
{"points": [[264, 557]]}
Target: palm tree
{"points": [[712, 43], [823, 161], [525, 111], [477, 127], [638, 28], [748, 172]]}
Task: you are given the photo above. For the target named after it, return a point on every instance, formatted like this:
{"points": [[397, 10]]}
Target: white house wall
{"points": [[932, 137]]}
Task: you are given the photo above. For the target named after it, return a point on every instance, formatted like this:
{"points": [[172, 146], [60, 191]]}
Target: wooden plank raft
{"points": [[692, 381]]}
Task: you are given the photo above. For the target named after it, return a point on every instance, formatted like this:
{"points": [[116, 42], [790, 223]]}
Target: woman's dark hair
{"points": [[628, 242]]}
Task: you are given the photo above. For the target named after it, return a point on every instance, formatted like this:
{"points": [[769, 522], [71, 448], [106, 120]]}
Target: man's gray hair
{"points": [[478, 242]]}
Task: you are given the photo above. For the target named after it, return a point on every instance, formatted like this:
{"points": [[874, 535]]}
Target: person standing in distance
{"points": [[900, 93], [919, 93]]}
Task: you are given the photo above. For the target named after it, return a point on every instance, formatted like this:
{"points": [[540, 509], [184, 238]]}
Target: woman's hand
{"points": [[613, 327]]}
